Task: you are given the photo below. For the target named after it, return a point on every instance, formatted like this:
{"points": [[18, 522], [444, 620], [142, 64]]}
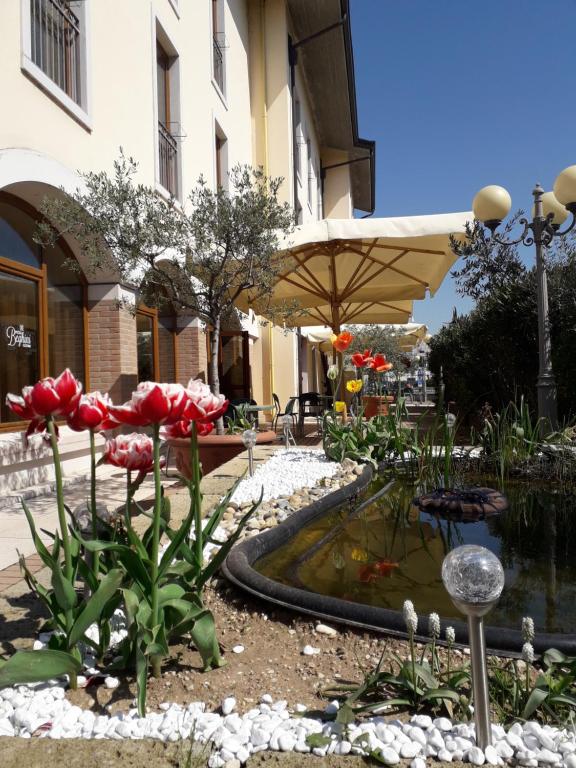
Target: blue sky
{"points": [[460, 94]]}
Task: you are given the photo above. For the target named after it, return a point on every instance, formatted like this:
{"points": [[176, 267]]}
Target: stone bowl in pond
{"points": [[463, 504]]}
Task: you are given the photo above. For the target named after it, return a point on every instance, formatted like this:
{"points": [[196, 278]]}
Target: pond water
{"points": [[390, 551]]}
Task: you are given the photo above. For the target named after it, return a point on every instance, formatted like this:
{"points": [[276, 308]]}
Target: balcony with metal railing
{"points": [[56, 42], [168, 159], [218, 65]]}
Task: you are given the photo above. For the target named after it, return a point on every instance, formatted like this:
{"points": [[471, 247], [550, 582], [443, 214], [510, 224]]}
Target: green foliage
{"points": [[238, 420], [508, 438], [161, 593], [373, 441], [408, 684], [551, 696], [34, 666], [491, 353], [198, 257]]}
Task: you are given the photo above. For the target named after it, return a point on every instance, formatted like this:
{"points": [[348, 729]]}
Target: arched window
{"points": [[42, 307]]}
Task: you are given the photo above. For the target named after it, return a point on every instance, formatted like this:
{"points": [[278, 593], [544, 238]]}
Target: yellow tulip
{"points": [[339, 406], [354, 385]]}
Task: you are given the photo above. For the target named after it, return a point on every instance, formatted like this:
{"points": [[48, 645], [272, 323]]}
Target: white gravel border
{"points": [[43, 711], [284, 473]]}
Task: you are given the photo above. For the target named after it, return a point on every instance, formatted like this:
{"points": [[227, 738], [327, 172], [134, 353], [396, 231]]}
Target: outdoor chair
{"points": [[310, 404], [289, 411]]}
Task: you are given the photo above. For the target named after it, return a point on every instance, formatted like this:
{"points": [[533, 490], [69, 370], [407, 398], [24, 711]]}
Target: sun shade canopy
{"points": [[342, 271]]}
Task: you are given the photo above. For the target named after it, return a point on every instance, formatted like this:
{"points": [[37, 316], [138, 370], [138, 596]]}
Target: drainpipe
{"points": [[292, 61]]}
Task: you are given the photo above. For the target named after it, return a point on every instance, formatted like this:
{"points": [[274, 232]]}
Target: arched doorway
{"points": [[42, 307]]}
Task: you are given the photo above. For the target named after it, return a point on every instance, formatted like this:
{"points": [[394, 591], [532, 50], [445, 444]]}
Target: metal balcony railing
{"points": [[168, 156], [218, 64], [56, 44]]}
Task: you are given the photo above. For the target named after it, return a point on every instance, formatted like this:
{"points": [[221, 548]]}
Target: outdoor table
{"points": [[254, 410]]}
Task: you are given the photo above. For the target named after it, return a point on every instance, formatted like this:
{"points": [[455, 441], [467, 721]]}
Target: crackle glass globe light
{"points": [[249, 438], [474, 578]]}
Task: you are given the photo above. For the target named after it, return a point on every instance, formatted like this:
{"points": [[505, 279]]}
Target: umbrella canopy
{"points": [[362, 270], [409, 335]]}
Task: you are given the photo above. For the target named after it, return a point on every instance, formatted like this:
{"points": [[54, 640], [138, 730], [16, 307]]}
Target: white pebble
{"points": [[111, 682], [444, 755], [418, 762], [228, 705], [491, 755], [238, 649], [324, 629], [570, 761], [410, 749], [475, 756], [309, 650], [389, 756]]}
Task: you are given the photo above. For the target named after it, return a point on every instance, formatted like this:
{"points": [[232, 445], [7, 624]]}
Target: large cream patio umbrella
{"points": [[409, 334], [340, 271]]}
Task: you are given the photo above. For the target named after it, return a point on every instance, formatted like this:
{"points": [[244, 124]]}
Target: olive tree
{"points": [[198, 258]]}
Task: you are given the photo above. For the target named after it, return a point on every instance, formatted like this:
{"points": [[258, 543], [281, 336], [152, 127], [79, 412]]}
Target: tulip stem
{"points": [[60, 499], [95, 555], [197, 497], [156, 659]]}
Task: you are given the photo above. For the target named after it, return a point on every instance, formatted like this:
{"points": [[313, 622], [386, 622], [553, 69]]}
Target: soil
{"points": [[272, 661]]}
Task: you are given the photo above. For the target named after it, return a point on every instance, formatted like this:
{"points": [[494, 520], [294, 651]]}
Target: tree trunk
{"points": [[214, 373]]}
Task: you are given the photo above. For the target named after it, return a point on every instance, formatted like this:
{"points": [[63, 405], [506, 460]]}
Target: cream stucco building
{"points": [[187, 88]]}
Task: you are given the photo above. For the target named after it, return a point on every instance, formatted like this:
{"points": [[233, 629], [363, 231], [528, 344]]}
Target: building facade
{"points": [[188, 88]]}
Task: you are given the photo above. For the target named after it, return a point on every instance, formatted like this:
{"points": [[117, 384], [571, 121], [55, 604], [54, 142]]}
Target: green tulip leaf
{"points": [[96, 604], [36, 666]]}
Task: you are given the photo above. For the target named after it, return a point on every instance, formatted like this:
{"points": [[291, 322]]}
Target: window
{"points": [[218, 68], [167, 143], [147, 344], [297, 136], [311, 178], [319, 201], [54, 51], [42, 304], [221, 154]]}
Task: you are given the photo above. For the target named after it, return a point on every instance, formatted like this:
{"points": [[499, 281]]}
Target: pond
{"points": [[390, 550]]}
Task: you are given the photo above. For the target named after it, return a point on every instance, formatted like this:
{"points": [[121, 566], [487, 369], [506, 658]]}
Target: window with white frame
{"points": [[297, 136], [168, 113], [218, 45], [311, 174], [55, 48], [221, 158], [319, 201]]}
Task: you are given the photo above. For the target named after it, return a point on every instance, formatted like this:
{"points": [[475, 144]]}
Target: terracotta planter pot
{"points": [[214, 450], [376, 405]]}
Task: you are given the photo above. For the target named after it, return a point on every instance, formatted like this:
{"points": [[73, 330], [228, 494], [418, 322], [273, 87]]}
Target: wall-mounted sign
{"points": [[18, 337]]}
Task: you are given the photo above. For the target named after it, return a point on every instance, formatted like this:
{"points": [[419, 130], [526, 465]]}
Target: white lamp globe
{"points": [[492, 203], [565, 186], [474, 578], [550, 204], [249, 437]]}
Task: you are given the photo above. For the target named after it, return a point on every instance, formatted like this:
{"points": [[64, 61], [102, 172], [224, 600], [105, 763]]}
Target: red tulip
{"points": [[152, 403], [342, 341], [56, 397], [92, 412], [380, 364], [362, 359], [133, 452], [21, 406], [202, 405], [183, 429]]}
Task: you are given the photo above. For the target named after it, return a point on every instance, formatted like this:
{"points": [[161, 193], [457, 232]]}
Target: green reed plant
{"points": [[509, 438]]}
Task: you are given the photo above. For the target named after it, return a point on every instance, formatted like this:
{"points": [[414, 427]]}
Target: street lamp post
{"points": [[491, 205]]}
